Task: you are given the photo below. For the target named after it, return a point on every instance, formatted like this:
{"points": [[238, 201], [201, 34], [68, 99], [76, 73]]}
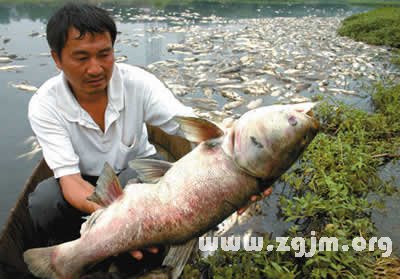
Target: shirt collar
{"points": [[70, 107]]}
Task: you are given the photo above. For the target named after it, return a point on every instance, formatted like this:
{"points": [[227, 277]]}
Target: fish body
{"points": [[184, 200], [25, 87]]}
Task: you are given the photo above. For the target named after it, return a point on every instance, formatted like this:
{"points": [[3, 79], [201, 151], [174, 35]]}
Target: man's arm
{"points": [[76, 190]]}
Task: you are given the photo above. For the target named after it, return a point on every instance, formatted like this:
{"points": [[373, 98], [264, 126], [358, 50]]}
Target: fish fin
{"points": [[38, 261], [150, 170], [178, 255], [108, 187], [197, 129], [90, 221]]}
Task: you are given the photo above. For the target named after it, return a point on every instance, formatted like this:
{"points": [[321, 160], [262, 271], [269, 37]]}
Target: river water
{"points": [[166, 41]]}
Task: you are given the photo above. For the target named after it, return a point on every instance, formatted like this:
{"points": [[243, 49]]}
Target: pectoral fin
{"points": [[198, 129], [150, 170], [108, 187]]}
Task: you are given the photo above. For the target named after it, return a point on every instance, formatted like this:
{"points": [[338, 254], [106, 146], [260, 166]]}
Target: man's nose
{"points": [[94, 67]]}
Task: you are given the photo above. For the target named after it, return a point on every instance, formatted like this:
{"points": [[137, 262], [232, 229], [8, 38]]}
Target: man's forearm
{"points": [[76, 190]]}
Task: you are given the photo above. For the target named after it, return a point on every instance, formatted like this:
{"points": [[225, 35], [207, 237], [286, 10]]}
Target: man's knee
{"points": [[42, 202], [50, 212]]}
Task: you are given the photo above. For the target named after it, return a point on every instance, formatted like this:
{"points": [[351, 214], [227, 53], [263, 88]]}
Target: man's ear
{"points": [[56, 59]]}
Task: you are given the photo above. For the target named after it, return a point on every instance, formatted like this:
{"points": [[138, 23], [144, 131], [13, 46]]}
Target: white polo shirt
{"points": [[73, 143]]}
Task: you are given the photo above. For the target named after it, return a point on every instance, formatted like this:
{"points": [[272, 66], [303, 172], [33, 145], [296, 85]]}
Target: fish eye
{"points": [[292, 120], [256, 142]]}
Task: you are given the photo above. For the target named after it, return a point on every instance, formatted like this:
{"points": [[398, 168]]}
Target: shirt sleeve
{"points": [[161, 106], [53, 138]]}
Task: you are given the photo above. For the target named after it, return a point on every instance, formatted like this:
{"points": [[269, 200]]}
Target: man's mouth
{"points": [[95, 80]]}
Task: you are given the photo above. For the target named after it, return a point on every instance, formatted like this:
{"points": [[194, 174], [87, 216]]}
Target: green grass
{"points": [[330, 189], [378, 27], [328, 193]]}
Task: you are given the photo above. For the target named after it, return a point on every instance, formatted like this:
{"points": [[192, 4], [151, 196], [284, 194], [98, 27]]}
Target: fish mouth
{"points": [[309, 113], [315, 125]]}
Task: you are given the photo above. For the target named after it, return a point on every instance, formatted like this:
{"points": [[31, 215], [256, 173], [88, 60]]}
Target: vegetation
{"points": [[328, 193], [378, 27]]}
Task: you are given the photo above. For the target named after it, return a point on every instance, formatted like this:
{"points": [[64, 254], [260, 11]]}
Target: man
{"points": [[93, 112]]}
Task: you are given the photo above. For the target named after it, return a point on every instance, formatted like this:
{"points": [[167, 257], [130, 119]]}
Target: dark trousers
{"points": [[56, 221]]}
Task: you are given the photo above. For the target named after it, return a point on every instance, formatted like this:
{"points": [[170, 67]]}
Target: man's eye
{"points": [[82, 58]]}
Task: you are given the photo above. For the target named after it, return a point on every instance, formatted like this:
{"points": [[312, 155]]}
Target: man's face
{"points": [[87, 62]]}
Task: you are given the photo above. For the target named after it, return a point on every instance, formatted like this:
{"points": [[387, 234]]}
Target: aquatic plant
{"points": [[328, 192]]}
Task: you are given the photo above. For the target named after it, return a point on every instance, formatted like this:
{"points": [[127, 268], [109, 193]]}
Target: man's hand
{"points": [[76, 190], [255, 198], [138, 255]]}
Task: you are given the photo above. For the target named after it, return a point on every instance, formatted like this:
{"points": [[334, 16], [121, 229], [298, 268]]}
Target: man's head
{"points": [[81, 38]]}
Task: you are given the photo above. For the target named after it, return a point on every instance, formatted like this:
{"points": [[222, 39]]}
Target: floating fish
{"points": [[11, 67], [254, 104], [5, 59], [25, 87]]}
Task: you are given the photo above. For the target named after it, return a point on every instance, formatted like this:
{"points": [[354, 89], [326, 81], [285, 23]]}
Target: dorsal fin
{"points": [[108, 187], [150, 170], [198, 129]]}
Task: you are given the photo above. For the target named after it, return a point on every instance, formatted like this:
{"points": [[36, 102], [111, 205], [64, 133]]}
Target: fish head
{"points": [[266, 141]]}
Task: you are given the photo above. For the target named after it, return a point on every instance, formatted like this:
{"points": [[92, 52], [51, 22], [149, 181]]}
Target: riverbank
{"points": [[332, 192], [328, 193], [377, 27]]}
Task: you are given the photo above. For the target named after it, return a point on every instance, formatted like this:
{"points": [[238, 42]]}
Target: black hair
{"points": [[83, 17]]}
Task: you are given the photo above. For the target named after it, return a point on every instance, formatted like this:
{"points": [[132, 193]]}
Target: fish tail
{"points": [[39, 262]]}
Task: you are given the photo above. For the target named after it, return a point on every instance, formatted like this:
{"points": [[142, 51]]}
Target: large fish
{"points": [[183, 200]]}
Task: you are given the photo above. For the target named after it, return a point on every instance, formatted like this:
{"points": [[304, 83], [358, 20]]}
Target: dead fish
{"points": [[302, 86], [25, 87], [11, 67], [255, 103], [232, 105], [344, 91], [232, 95], [201, 103], [178, 47], [291, 72], [5, 59], [45, 54], [183, 200], [34, 34], [231, 69], [35, 148], [256, 90], [120, 59]]}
